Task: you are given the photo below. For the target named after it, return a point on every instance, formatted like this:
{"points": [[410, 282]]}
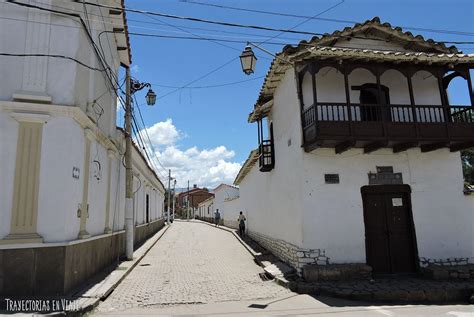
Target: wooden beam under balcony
{"points": [[374, 146], [344, 146], [461, 146], [403, 146], [432, 146]]}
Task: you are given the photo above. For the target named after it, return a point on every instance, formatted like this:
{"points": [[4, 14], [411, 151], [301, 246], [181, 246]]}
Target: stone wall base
{"points": [[336, 272], [445, 272], [49, 271], [289, 253]]}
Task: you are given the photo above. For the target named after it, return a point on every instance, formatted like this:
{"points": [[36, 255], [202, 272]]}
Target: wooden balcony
{"points": [[373, 126], [266, 156]]}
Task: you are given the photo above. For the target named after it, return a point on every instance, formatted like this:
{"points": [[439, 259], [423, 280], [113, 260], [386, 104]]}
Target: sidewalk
{"points": [[88, 296], [392, 290]]}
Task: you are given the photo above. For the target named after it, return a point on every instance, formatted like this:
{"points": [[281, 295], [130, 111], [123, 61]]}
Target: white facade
{"points": [[205, 208], [293, 204], [226, 201], [72, 111]]}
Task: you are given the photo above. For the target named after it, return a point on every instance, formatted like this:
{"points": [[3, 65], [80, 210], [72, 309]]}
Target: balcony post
{"points": [[315, 95], [469, 85], [409, 73], [382, 103], [348, 97], [444, 102]]}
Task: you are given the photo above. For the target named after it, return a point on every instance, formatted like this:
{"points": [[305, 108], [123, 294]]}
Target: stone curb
{"points": [[102, 290]]}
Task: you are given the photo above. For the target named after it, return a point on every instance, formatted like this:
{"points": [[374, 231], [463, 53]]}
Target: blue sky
{"points": [[202, 133]]}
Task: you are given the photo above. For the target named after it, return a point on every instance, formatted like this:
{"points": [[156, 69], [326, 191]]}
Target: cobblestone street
{"points": [[193, 263]]}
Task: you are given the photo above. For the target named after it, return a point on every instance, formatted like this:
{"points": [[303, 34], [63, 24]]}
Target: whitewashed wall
{"points": [[58, 35], [293, 204], [222, 193], [334, 214], [232, 209], [272, 201]]}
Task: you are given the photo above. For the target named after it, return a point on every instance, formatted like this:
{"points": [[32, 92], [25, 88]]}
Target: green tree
{"points": [[467, 157]]}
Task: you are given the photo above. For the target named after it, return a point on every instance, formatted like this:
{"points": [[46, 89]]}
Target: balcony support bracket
{"points": [[432, 146], [460, 146], [374, 146], [344, 146], [403, 146]]}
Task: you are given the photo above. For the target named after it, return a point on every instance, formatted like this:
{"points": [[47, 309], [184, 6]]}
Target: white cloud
{"points": [[204, 167], [163, 133], [135, 68]]}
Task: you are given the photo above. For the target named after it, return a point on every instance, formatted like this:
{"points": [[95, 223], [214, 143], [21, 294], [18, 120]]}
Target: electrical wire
{"points": [[454, 32], [54, 56], [212, 86], [229, 24], [146, 133], [199, 78]]}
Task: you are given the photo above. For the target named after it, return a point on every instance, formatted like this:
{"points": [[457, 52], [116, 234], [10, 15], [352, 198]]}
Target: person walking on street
{"points": [[217, 217], [241, 220]]}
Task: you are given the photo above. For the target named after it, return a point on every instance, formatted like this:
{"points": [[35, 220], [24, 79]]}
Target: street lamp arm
{"points": [[270, 53], [137, 86]]}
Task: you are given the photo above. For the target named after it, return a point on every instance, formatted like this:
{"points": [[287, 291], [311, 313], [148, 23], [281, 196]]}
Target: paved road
{"points": [[196, 269], [193, 263]]}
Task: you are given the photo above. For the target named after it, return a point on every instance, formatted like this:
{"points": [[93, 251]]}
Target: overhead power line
{"points": [[318, 18], [54, 56], [272, 43], [153, 13], [212, 86]]}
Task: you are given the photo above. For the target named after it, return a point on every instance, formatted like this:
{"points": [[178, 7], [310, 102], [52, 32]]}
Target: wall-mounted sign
{"points": [[76, 172], [397, 202]]}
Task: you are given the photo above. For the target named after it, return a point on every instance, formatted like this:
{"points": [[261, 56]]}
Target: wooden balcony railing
{"points": [[388, 123], [266, 156]]}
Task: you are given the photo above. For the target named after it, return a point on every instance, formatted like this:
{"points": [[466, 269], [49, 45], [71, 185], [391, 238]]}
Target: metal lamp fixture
{"points": [[150, 97], [248, 60]]}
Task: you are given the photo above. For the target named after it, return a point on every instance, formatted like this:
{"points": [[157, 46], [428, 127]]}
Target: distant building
{"points": [[188, 201], [62, 179], [227, 201], [205, 209]]}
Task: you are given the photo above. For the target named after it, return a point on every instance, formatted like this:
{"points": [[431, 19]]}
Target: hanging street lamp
{"points": [[248, 60], [150, 97]]}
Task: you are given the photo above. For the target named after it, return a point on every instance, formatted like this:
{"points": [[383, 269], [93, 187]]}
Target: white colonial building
{"points": [[358, 158], [62, 179], [226, 200]]}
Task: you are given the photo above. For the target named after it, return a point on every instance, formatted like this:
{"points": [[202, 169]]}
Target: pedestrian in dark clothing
{"points": [[241, 221], [217, 217]]}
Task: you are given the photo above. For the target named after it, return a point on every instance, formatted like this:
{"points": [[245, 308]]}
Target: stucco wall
{"points": [[292, 203], [232, 210], [54, 34], [272, 200], [334, 215], [60, 194], [222, 193]]}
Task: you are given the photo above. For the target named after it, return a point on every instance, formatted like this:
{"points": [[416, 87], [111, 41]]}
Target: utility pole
{"points": [[128, 169], [174, 188], [169, 196], [187, 203]]}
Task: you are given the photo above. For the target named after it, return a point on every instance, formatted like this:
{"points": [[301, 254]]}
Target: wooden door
{"points": [[389, 231]]}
